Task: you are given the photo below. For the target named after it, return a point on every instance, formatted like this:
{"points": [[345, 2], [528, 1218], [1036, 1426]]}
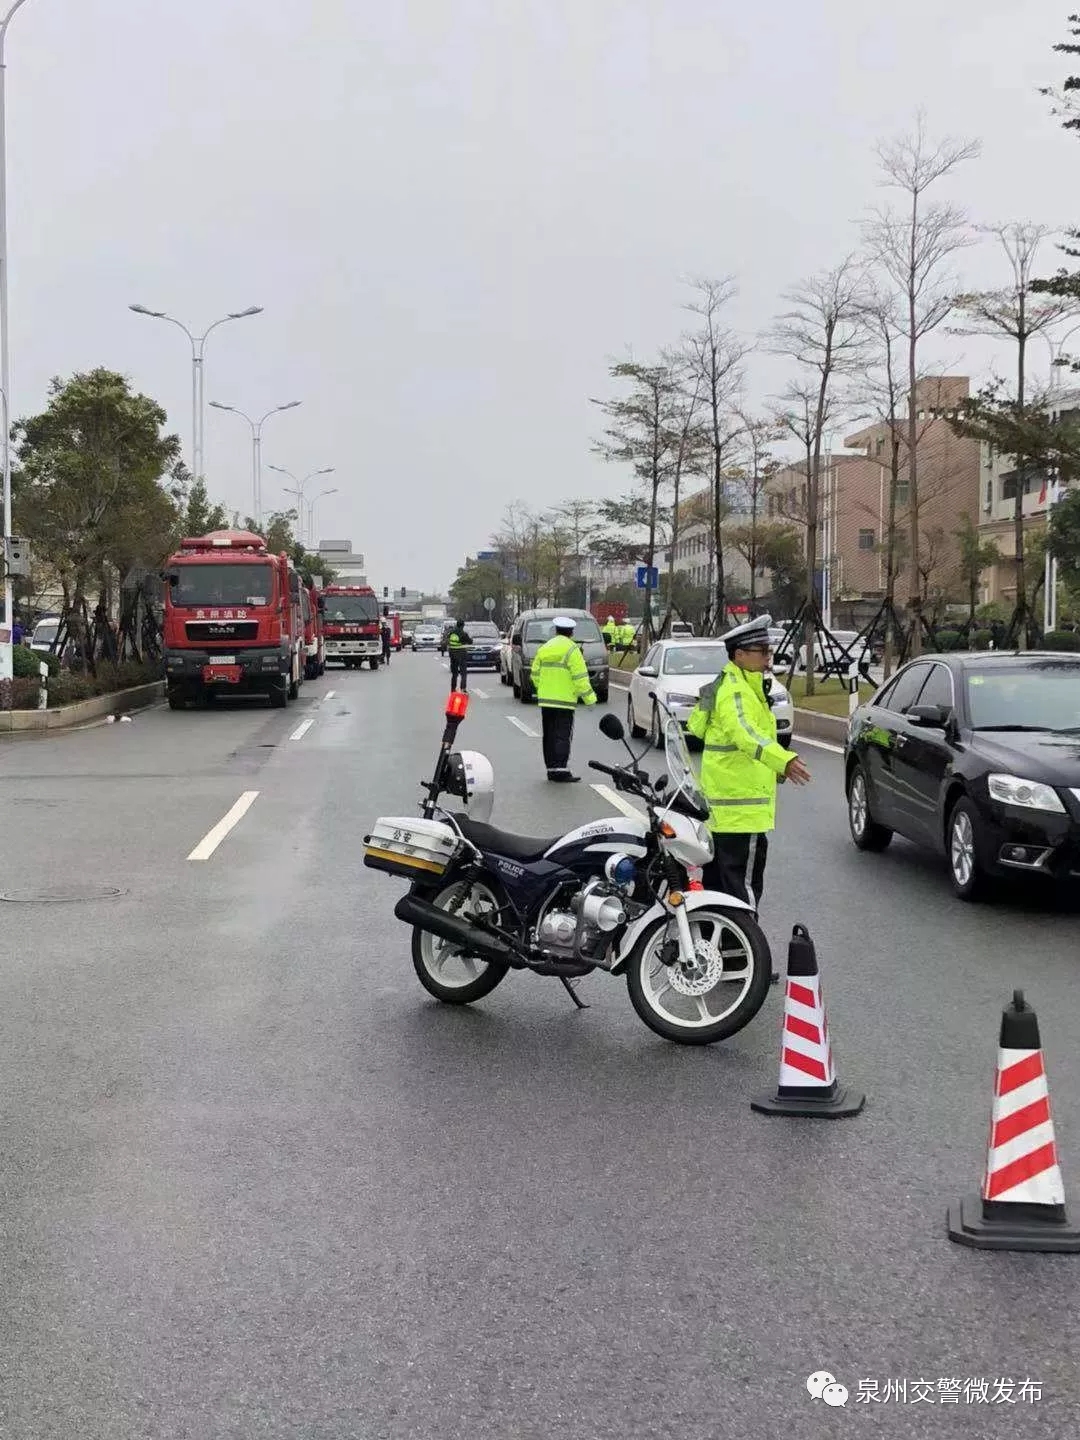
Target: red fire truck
{"points": [[233, 620], [314, 643], [351, 624]]}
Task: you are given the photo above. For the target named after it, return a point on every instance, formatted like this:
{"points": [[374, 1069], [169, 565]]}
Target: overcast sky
{"points": [[457, 212]]}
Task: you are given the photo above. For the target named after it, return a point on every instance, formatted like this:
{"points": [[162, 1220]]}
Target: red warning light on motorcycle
{"points": [[457, 705]]}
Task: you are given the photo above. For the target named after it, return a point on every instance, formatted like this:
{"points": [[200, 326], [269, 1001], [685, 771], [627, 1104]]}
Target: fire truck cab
{"points": [[352, 624], [233, 620]]}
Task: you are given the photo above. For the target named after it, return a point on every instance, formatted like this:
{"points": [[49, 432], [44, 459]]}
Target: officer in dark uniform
{"points": [[458, 642]]}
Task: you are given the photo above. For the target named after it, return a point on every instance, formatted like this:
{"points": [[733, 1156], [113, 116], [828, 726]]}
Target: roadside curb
{"points": [[65, 716], [809, 723]]}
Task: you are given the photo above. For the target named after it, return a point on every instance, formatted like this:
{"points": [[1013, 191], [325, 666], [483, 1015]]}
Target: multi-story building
{"points": [[1000, 479], [347, 566], [694, 555]]}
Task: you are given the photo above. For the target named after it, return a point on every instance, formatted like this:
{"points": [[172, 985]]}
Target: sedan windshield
{"points": [[482, 630], [694, 659], [1037, 697]]}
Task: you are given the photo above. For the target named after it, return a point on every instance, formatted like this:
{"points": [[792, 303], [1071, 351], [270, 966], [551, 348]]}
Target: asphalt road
{"points": [[256, 1183]]}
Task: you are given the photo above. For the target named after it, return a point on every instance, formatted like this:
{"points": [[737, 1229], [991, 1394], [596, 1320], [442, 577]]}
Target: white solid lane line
{"points": [[520, 725], [213, 838], [301, 730], [819, 744], [613, 798], [483, 695]]}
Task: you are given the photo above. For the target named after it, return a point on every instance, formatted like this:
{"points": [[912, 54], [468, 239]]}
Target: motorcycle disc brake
{"points": [[705, 974]]}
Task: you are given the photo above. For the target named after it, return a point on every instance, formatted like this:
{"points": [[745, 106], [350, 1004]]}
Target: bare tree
{"points": [[714, 357], [1014, 312], [756, 470], [912, 247], [822, 332], [688, 443]]}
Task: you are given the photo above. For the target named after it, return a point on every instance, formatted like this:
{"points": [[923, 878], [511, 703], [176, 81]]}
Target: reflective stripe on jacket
{"points": [[742, 760], [458, 640], [560, 676]]}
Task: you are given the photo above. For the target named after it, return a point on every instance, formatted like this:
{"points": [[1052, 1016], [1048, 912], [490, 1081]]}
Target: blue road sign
{"points": [[487, 555], [648, 577]]}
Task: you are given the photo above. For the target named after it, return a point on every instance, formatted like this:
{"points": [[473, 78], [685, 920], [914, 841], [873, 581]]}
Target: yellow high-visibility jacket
{"points": [[560, 676], [742, 762]]}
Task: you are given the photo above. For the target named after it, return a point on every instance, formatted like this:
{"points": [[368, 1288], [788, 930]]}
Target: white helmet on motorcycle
{"points": [[470, 777]]}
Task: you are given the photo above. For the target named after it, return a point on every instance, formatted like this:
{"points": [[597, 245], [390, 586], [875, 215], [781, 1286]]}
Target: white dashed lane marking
{"points": [[301, 730], [213, 838], [520, 725]]}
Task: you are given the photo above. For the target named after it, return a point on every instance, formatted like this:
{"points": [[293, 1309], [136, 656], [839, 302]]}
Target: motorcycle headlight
{"points": [[1028, 794]]}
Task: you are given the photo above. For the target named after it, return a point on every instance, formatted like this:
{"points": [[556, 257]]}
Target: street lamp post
{"points": [[311, 512], [1050, 573], [198, 390], [6, 656], [301, 486], [256, 448]]}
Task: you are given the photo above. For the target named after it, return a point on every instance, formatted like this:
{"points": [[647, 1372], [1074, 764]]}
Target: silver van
{"points": [[533, 627]]}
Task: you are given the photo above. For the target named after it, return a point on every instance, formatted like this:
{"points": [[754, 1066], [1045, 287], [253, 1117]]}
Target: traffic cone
{"points": [[808, 1084], [1022, 1205]]}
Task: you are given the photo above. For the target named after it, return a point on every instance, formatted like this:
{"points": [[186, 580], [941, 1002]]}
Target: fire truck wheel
{"points": [[177, 698], [294, 688], [279, 695], [375, 664]]}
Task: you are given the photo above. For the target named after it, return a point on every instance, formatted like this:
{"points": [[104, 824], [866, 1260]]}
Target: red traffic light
{"points": [[457, 705]]}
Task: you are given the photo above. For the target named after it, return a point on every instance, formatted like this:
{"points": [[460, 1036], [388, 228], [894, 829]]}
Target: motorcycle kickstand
{"points": [[569, 988]]}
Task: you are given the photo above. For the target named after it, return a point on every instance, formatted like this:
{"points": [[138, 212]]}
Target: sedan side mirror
{"points": [[648, 672], [930, 717]]}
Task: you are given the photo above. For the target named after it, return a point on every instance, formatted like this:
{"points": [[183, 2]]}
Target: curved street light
{"points": [[256, 448], [301, 486], [6, 656], [311, 511], [198, 391]]}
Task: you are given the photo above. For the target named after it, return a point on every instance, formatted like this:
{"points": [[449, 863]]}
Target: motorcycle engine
{"points": [[598, 909]]}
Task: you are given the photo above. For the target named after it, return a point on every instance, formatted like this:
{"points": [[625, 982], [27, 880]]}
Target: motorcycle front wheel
{"points": [[716, 997], [443, 968]]}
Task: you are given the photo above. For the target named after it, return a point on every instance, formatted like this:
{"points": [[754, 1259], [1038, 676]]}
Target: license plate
{"points": [[223, 660], [230, 674]]}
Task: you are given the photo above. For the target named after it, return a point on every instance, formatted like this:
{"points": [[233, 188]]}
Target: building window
{"points": [[1009, 484], [866, 539], [903, 492], [989, 494]]}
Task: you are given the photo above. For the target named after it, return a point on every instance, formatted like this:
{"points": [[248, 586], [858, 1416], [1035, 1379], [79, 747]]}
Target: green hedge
{"points": [[26, 662], [948, 639], [66, 689], [1061, 640]]}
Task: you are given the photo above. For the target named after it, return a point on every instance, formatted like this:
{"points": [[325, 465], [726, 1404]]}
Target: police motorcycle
{"points": [[618, 895]]}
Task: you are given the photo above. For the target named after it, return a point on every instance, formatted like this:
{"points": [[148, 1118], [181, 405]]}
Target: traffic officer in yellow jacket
{"points": [[627, 635], [560, 679], [742, 763], [610, 632], [458, 642]]}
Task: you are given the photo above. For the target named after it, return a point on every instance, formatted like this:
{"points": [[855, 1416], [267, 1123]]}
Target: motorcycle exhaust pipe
{"points": [[426, 916]]}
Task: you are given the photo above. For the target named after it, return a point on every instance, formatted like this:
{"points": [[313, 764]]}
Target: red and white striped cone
{"points": [[808, 1084], [1022, 1205]]}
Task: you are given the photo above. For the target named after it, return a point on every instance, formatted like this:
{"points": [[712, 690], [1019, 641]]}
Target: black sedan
{"points": [[978, 756]]}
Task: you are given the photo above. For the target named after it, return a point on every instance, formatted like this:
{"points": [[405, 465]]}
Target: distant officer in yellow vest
{"points": [[626, 637], [560, 678], [742, 764], [609, 632]]}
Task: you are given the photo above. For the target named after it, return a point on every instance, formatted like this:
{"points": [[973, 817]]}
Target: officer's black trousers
{"points": [[738, 866], [558, 726], [459, 673]]}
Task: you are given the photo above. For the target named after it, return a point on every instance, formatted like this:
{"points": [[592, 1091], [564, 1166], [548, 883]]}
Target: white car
{"points": [[44, 634], [426, 638], [677, 670]]}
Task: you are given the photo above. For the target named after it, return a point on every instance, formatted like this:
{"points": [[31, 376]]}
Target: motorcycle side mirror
{"points": [[612, 727], [660, 784]]}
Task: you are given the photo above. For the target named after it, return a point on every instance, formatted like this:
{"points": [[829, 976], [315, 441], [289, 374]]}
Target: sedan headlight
{"points": [[676, 699], [1029, 794]]}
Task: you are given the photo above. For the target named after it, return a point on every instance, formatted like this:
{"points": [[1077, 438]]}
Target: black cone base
{"points": [[836, 1106], [967, 1226]]}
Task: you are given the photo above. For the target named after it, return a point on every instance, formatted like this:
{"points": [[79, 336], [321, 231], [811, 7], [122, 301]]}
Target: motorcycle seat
{"points": [[501, 842]]}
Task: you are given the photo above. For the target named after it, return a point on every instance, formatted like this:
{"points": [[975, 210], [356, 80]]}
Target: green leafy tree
{"points": [[96, 490], [976, 556], [1063, 541], [200, 517]]}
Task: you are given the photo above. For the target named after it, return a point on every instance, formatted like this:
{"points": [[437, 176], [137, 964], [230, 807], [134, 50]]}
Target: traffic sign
{"points": [[648, 577], [487, 555], [489, 604]]}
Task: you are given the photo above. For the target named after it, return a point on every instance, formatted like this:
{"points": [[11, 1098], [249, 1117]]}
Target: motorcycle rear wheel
{"points": [[732, 943], [442, 968]]}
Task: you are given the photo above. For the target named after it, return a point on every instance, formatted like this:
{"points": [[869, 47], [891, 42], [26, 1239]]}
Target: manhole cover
{"points": [[60, 894]]}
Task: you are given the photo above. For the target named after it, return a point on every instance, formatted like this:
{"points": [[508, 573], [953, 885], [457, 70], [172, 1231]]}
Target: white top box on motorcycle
{"points": [[409, 846]]}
